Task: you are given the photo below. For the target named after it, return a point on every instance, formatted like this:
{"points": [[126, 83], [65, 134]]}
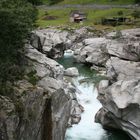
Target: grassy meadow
{"points": [[60, 17]]}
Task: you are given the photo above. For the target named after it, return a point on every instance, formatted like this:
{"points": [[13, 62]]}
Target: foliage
{"points": [[137, 1], [17, 19], [120, 13], [136, 14], [97, 1], [53, 1], [32, 77], [35, 2]]}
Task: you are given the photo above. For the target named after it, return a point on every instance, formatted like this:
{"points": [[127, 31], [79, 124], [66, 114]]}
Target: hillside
{"points": [[94, 2]]}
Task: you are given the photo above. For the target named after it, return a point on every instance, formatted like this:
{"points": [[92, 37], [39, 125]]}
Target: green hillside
{"points": [[97, 1], [95, 17], [94, 1]]}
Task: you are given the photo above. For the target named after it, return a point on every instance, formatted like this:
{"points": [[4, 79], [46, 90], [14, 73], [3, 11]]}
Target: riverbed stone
{"points": [[52, 42], [73, 71], [93, 51], [122, 100], [118, 69], [104, 117]]}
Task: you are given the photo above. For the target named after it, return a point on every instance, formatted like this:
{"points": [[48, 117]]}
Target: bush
{"points": [[54, 1], [32, 77], [35, 2], [120, 13], [136, 14], [137, 1]]}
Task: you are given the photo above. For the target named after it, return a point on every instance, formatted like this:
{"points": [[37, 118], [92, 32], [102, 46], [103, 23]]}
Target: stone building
{"points": [[77, 16]]}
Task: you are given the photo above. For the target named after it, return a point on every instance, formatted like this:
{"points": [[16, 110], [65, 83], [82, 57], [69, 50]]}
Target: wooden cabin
{"points": [[77, 16]]}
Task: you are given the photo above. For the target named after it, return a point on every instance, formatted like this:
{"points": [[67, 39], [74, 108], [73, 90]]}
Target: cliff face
{"points": [[118, 53], [53, 42], [41, 104], [120, 96]]}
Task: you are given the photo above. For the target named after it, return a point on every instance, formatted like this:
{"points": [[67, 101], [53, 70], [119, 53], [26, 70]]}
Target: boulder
{"points": [[126, 46], [73, 71], [128, 50], [118, 69], [103, 85], [120, 95], [75, 113], [122, 101], [93, 51], [51, 42], [97, 51], [104, 117], [56, 70]]}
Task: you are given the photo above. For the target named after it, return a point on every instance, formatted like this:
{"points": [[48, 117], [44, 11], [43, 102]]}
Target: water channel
{"points": [[87, 129]]}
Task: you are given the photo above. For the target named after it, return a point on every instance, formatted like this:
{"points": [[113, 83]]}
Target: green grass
{"points": [[95, 1], [94, 17], [62, 17]]}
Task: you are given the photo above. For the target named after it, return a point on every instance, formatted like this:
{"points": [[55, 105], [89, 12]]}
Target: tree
{"points": [[137, 1], [17, 18], [54, 1], [35, 2], [136, 14]]}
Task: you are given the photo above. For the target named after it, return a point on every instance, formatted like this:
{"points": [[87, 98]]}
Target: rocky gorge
{"points": [[43, 104], [118, 53], [44, 109]]}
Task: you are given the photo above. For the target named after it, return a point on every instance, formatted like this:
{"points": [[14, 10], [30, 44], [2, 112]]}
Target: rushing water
{"points": [[87, 129]]}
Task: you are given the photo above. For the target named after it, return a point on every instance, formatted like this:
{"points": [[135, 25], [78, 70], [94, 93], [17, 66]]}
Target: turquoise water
{"points": [[87, 129]]}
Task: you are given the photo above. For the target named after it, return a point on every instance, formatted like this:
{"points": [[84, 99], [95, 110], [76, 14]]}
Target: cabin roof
{"points": [[80, 13]]}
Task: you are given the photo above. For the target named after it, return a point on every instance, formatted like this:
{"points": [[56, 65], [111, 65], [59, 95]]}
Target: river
{"points": [[87, 129]]}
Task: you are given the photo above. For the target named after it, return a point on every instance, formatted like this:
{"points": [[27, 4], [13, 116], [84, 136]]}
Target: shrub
{"points": [[136, 14], [32, 77], [120, 13]]}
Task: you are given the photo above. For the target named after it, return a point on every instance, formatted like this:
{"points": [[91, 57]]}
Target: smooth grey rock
{"points": [[46, 63], [76, 113], [105, 118], [50, 84], [8, 119], [93, 51], [40, 111], [122, 100], [121, 97], [73, 71], [98, 50], [52, 42], [118, 69], [103, 85]]}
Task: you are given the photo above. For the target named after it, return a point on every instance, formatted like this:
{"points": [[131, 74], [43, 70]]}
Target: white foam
{"points": [[87, 129]]}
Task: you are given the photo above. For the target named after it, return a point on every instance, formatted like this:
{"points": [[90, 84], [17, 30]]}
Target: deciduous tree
{"points": [[17, 18]]}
